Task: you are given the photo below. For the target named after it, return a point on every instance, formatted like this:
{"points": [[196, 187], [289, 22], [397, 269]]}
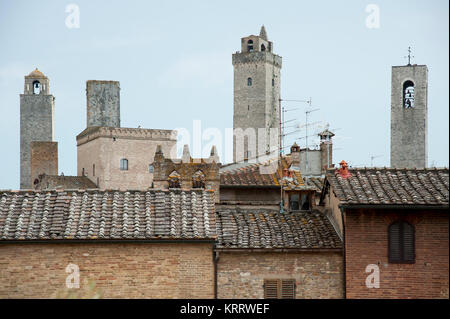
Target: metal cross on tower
{"points": [[409, 56]]}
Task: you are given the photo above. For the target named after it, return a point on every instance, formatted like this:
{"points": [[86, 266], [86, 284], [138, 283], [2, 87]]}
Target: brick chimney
{"points": [[295, 156]]}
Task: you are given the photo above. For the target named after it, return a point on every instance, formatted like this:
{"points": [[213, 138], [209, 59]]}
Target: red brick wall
{"points": [[366, 242], [317, 274], [118, 270]]}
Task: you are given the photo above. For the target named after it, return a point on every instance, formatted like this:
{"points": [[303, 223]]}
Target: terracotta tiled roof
{"points": [[391, 186], [271, 229], [262, 174], [50, 215], [316, 182]]}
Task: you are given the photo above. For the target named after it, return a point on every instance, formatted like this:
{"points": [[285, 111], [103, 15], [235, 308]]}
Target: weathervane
{"points": [[409, 56]]}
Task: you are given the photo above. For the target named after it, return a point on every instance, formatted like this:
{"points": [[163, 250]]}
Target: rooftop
{"points": [[106, 215], [390, 186], [259, 228]]}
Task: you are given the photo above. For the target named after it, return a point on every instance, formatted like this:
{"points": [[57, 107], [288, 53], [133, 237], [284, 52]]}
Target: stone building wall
{"points": [[44, 159], [256, 106], [105, 147], [409, 146], [366, 242], [317, 274], [36, 124], [119, 270], [103, 103]]}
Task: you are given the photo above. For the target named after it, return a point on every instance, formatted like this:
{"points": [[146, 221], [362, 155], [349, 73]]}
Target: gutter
{"points": [[215, 255], [393, 206], [277, 250], [106, 241]]}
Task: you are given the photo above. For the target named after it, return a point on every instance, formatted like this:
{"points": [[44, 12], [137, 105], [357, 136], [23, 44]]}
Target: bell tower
{"points": [[256, 99], [409, 116], [37, 108]]}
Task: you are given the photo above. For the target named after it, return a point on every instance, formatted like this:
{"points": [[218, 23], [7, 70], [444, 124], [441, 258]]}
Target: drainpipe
{"points": [[343, 250], [215, 261]]}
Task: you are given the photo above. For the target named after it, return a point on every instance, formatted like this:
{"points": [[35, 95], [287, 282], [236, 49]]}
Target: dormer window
{"points": [[408, 94], [198, 180], [250, 45], [36, 87], [174, 180]]}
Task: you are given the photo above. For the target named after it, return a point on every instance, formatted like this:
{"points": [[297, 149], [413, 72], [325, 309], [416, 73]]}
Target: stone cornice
{"points": [[91, 133]]}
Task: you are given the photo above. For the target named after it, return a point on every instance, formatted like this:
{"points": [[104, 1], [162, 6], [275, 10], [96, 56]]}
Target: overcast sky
{"points": [[173, 61]]}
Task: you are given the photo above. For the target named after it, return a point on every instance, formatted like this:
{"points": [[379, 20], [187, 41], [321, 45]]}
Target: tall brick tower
{"points": [[256, 98], [409, 116], [37, 108]]}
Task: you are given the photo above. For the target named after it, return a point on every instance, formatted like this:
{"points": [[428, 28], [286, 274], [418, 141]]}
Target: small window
{"points": [[294, 202], [36, 87], [151, 169], [124, 164], [250, 45], [82, 171], [263, 47], [249, 82], [401, 242], [273, 82], [279, 289], [93, 169]]}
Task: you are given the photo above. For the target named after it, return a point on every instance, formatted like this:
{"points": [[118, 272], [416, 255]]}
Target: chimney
{"points": [[326, 150], [295, 157], [343, 171]]}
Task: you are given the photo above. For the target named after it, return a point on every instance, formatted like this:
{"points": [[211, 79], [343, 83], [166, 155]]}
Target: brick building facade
{"points": [[367, 205]]}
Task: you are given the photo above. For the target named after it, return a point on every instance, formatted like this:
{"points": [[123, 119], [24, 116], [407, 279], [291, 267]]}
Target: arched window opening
{"points": [[124, 164], [263, 47], [174, 180], [408, 94], [249, 82], [401, 242], [250, 45], [36, 87], [198, 180], [151, 168]]}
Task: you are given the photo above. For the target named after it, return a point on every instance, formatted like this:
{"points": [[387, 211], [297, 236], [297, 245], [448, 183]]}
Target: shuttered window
{"points": [[401, 242], [279, 289]]}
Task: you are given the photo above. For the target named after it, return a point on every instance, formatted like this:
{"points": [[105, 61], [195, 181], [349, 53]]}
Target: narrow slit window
{"points": [[249, 82]]}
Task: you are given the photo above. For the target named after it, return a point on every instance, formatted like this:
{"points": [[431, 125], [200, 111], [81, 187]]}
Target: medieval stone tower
{"points": [[409, 116], [103, 103], [37, 110], [256, 98]]}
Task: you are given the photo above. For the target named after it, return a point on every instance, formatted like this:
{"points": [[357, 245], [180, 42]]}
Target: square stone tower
{"points": [[37, 108], [409, 117], [256, 99], [103, 103]]}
